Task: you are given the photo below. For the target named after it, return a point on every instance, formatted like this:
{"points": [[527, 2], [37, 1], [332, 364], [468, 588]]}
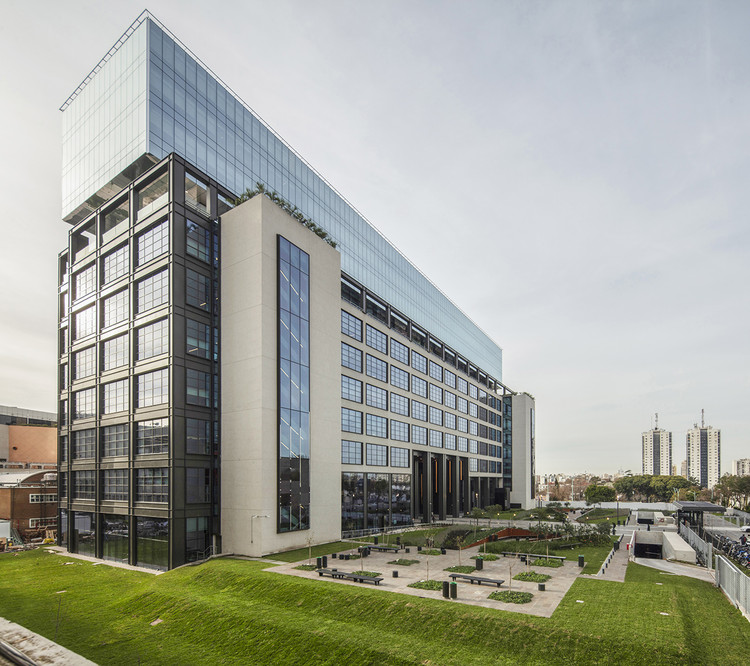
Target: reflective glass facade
{"points": [[171, 103]]}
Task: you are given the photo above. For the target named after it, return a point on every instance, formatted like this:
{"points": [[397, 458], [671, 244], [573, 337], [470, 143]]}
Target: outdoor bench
{"points": [[476, 579]]}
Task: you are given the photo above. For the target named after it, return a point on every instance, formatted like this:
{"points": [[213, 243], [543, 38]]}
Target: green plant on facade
{"points": [[292, 210]]}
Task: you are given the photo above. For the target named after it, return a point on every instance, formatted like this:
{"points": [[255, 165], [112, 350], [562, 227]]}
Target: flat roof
{"points": [[699, 507]]}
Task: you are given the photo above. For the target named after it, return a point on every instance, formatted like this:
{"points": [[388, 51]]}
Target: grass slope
{"points": [[234, 612]]}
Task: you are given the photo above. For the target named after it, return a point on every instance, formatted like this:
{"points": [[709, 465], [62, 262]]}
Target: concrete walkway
{"points": [[677, 569], [38, 648], [542, 604]]}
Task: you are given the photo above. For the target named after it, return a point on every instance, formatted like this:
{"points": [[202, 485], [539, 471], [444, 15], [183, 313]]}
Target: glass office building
{"points": [[155, 150]]}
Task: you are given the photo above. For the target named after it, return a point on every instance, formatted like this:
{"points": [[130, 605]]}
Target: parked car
{"points": [[745, 528]]}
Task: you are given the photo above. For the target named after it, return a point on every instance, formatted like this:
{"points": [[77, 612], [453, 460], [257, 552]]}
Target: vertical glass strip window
{"points": [[294, 388]]}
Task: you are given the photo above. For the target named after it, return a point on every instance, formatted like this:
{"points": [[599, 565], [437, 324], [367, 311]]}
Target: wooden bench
{"points": [[476, 579], [385, 549]]}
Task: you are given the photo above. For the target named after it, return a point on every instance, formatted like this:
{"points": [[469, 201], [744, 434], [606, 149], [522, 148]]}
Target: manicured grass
{"points": [[594, 556], [596, 516], [532, 577], [404, 563], [429, 551], [233, 612], [317, 551], [543, 562], [511, 596], [460, 569], [427, 585]]}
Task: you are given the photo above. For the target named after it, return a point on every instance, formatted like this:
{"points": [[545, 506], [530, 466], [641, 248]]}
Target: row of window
{"points": [[150, 292], [151, 484], [351, 358], [379, 310], [37, 498], [376, 454], [151, 388]]}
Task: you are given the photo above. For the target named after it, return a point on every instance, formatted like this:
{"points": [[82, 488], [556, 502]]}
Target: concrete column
{"points": [[442, 486]]}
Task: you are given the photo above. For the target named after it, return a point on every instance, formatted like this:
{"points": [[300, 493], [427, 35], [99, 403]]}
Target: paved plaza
{"points": [[542, 604]]}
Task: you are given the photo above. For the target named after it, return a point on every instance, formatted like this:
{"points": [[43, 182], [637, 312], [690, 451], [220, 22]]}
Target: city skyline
{"points": [[601, 163]]}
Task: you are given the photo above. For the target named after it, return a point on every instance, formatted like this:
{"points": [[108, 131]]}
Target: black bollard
{"points": [[446, 590]]}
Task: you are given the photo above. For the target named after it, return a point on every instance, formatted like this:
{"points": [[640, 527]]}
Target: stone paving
{"points": [[542, 604]]}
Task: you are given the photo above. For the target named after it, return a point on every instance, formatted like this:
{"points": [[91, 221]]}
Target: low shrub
{"points": [[427, 585], [306, 567], [532, 577], [461, 569], [404, 563], [511, 596], [541, 562], [455, 538], [374, 574], [430, 551], [487, 557]]}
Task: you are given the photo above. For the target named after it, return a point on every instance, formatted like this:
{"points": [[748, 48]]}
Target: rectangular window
{"points": [[351, 357], [153, 388], [450, 379], [377, 340], [463, 405], [418, 410], [115, 309], [152, 197], [84, 484], [399, 352], [418, 435], [84, 444], [473, 429], [197, 485], [436, 438], [62, 484], [196, 193], [377, 426], [84, 363], [377, 455], [153, 291], [84, 404], [473, 465], [436, 416], [351, 452], [450, 420], [45, 498], [473, 409], [84, 282], [115, 397], [399, 404], [436, 372], [399, 324], [419, 362], [197, 290], [198, 241], [436, 394], [399, 378], [399, 431], [197, 436], [351, 326], [463, 444], [351, 421], [377, 397], [473, 446], [153, 243], [198, 388], [63, 448], [115, 352], [115, 484], [351, 389], [375, 308], [153, 339], [152, 437], [399, 457], [418, 386], [115, 221], [84, 323], [115, 440], [449, 441], [152, 484], [351, 293], [115, 264], [462, 385], [462, 424], [473, 392], [377, 369]]}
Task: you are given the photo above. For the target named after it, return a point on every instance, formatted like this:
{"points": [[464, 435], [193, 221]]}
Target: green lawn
{"points": [[234, 612], [593, 556], [317, 551], [596, 516]]}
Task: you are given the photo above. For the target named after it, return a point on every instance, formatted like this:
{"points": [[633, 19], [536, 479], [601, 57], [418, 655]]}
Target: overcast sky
{"points": [[571, 174]]}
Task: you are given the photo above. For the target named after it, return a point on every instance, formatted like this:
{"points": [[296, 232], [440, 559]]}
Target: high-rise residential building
{"points": [[250, 376], [656, 451], [741, 467], [703, 446]]}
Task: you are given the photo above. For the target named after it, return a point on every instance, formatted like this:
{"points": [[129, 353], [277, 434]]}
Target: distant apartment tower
{"points": [[656, 446], [703, 445], [741, 467]]}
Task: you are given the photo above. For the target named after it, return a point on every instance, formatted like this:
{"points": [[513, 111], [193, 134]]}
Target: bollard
{"points": [[446, 590], [442, 551], [398, 540], [540, 587], [319, 563], [580, 561], [334, 555], [346, 557], [325, 561], [376, 540], [407, 550], [454, 590], [395, 574], [479, 564], [419, 548]]}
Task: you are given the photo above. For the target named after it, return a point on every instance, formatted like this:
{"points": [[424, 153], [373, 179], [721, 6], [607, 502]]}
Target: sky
{"points": [[570, 173]]}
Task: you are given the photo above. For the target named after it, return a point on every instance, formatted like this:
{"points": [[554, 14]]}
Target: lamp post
{"points": [[252, 518]]}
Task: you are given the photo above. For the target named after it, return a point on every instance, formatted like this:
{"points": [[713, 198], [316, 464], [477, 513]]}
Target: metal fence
{"points": [[734, 583], [703, 550]]}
